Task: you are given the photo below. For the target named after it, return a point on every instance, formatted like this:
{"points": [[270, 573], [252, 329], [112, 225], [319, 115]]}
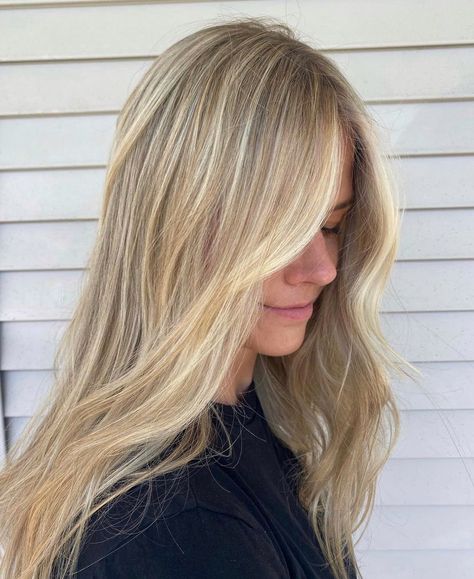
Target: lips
{"points": [[299, 305], [299, 313]]}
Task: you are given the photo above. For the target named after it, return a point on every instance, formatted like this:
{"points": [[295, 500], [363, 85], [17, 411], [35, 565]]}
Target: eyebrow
{"points": [[343, 205]]}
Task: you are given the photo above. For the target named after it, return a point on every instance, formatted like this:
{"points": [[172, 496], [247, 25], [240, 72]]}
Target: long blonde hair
{"points": [[225, 163]]}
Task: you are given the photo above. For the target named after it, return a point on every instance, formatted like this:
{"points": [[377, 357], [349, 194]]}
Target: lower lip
{"points": [[293, 313]]}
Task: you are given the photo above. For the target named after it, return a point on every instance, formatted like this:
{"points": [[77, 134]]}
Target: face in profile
{"points": [[281, 332], [281, 329]]}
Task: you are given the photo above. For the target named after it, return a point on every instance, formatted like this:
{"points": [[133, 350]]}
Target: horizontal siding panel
{"points": [[416, 564], [420, 73], [23, 391], [21, 4], [39, 295], [51, 195], [430, 235], [102, 86], [54, 245], [435, 182], [431, 337], [98, 86], [405, 129], [65, 3], [419, 337], [41, 195], [426, 128], [426, 481], [121, 30], [415, 528], [29, 345], [437, 234], [88, 139], [443, 386], [436, 434], [13, 428], [52, 294], [450, 283]]}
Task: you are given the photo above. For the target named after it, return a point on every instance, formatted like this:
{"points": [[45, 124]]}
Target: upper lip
{"points": [[298, 305]]}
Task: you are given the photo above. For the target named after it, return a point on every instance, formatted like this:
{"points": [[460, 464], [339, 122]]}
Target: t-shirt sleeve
{"points": [[197, 543]]}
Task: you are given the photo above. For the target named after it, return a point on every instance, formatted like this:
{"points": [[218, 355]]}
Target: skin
{"points": [[299, 282]]}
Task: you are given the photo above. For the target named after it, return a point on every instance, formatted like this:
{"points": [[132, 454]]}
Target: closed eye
{"points": [[332, 230]]}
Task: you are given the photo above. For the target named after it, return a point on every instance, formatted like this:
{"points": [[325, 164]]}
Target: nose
{"points": [[319, 260]]}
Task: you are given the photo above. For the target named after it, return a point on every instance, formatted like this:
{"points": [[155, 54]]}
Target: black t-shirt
{"points": [[233, 517]]}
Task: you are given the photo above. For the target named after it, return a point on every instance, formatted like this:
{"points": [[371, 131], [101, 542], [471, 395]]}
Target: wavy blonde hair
{"points": [[225, 163]]}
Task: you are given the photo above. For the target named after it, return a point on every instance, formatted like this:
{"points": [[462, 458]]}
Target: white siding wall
{"points": [[67, 68]]}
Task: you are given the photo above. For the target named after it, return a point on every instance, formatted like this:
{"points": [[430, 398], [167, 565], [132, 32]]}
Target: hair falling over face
{"points": [[225, 163]]}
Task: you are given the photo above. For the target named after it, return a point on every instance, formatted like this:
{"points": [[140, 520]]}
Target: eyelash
{"points": [[334, 230]]}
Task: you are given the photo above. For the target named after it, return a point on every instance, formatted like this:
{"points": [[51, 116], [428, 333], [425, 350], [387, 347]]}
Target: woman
{"points": [[195, 428]]}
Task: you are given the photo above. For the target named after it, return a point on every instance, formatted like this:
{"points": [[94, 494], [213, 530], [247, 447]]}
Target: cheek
{"points": [[334, 246], [333, 249]]}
